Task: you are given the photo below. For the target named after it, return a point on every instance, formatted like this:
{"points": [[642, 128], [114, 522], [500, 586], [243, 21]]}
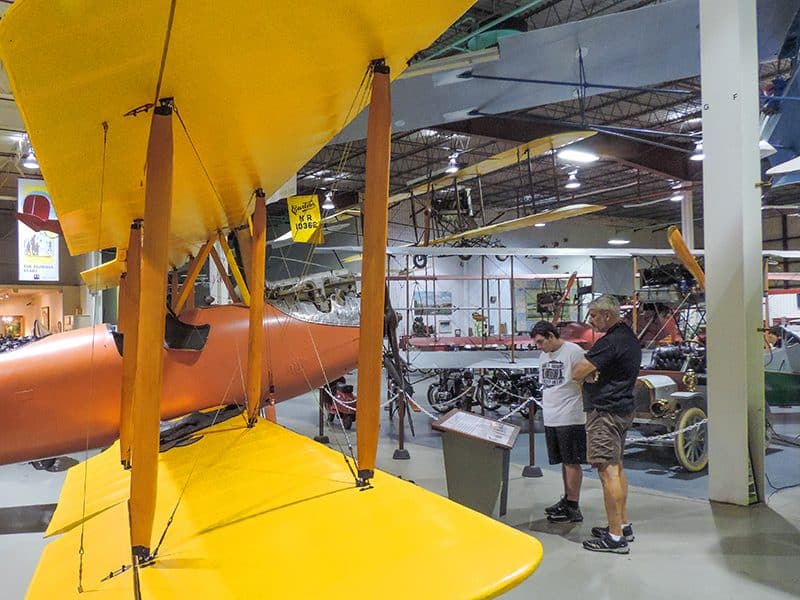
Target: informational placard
{"points": [[304, 219], [476, 426], [36, 226]]}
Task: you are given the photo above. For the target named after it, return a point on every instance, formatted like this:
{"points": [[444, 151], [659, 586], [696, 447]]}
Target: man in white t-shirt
{"points": [[564, 419]]}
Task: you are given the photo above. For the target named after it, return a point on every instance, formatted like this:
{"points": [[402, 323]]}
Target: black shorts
{"points": [[566, 444]]}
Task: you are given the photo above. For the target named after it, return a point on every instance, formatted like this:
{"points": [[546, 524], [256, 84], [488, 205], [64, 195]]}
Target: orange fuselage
{"points": [[61, 394]]}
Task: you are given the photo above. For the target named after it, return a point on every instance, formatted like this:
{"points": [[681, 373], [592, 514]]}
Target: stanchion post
{"points": [[401, 453], [531, 470], [321, 438]]}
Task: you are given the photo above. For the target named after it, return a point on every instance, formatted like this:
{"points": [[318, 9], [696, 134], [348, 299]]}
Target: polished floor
{"points": [[685, 546]]}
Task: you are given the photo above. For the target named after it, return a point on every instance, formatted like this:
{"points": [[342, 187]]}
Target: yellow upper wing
{"points": [[268, 513], [259, 87]]}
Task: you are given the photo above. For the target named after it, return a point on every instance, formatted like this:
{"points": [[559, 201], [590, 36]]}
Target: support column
{"points": [[129, 293], [373, 274], [152, 313], [255, 341], [687, 215], [732, 231]]}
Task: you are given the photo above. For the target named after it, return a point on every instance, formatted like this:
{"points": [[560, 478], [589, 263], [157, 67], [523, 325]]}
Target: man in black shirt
{"points": [[609, 371]]}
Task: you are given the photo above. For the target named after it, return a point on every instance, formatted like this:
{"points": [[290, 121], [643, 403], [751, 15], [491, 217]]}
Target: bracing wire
{"points": [[81, 547], [191, 472], [164, 52]]}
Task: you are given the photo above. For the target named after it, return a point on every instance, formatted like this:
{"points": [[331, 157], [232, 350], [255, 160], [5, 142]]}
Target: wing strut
{"points": [[187, 291], [129, 293], [255, 341], [152, 312], [237, 274], [373, 273]]}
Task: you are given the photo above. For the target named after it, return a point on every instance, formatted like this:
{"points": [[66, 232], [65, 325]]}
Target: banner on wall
{"points": [[38, 232]]}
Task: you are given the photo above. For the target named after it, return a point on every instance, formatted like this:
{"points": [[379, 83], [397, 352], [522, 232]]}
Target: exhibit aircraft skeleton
{"points": [[239, 513], [423, 191]]}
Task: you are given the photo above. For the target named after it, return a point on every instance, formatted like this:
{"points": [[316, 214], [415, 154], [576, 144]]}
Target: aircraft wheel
{"points": [[691, 447], [420, 261]]}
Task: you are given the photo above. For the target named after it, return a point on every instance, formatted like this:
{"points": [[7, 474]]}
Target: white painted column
{"points": [[687, 215], [91, 302], [732, 231]]}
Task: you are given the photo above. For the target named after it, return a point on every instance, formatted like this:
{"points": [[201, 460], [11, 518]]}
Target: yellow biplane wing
{"points": [[259, 88], [546, 216], [270, 502]]}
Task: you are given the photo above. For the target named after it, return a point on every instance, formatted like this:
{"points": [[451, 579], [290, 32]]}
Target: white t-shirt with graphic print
{"points": [[561, 396]]}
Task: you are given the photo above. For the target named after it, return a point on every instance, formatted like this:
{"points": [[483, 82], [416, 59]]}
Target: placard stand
{"points": [[477, 454]]}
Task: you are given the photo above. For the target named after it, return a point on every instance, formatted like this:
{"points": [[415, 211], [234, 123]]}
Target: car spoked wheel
{"points": [[691, 447]]}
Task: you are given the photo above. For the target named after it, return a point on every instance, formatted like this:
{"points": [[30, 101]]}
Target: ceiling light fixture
{"points": [[29, 161], [698, 152], [618, 241], [328, 204], [572, 182], [578, 156], [676, 197], [539, 224], [452, 167]]}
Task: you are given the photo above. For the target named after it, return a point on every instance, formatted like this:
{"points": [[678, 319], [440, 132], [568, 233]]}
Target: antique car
{"points": [[669, 398]]}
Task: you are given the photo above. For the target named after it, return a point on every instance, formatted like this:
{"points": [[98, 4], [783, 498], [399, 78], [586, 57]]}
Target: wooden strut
{"points": [[255, 340], [129, 292], [237, 274], [150, 348], [376, 213], [195, 266], [223, 274]]}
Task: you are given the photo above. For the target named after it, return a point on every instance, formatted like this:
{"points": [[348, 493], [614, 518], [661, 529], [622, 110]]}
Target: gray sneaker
{"points": [[627, 532], [605, 543]]}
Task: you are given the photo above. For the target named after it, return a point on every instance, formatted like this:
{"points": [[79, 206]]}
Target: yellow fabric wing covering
{"points": [[259, 86], [268, 513], [106, 275]]}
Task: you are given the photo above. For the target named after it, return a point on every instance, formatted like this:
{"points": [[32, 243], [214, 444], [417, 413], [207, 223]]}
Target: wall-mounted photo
{"points": [[13, 325], [428, 303]]}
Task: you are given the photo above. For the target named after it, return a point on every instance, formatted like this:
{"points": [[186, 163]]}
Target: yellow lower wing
{"points": [[268, 513]]}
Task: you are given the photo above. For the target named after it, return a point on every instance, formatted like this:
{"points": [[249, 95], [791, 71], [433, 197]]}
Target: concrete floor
{"points": [[684, 546]]}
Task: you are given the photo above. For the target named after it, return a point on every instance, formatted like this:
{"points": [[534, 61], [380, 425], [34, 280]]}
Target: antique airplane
{"points": [[457, 179], [239, 513]]}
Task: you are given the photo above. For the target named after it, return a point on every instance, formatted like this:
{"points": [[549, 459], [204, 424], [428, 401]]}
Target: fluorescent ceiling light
{"points": [[618, 242], [539, 224], [677, 198], [578, 156], [328, 204]]}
